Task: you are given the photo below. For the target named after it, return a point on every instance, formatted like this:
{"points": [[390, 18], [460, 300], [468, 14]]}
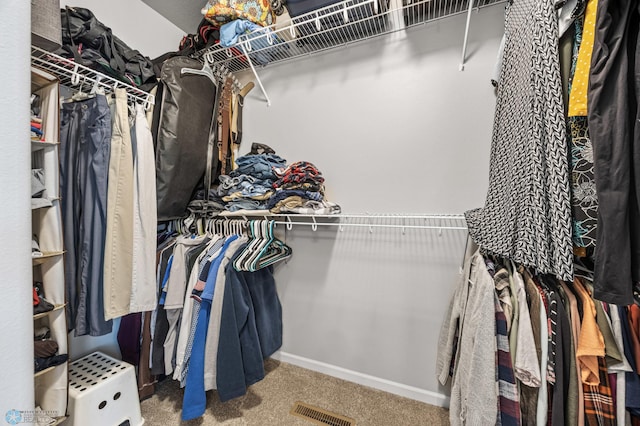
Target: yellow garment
{"points": [[288, 204], [238, 196], [580, 83], [590, 342]]}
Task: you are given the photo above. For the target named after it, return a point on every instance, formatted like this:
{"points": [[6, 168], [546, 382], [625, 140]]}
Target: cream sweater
{"points": [[474, 386]]}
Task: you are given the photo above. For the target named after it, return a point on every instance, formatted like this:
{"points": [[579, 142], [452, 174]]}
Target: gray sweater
{"points": [[474, 386]]}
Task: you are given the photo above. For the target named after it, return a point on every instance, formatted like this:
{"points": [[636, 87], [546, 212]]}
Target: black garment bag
{"points": [[184, 133]]}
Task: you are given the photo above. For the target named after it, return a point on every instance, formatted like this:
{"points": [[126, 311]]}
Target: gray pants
{"points": [[85, 135]]}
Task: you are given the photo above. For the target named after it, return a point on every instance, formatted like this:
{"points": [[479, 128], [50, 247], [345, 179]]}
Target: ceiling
{"points": [[185, 14]]}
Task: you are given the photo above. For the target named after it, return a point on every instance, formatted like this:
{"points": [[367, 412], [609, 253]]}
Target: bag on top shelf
{"points": [[90, 43]]}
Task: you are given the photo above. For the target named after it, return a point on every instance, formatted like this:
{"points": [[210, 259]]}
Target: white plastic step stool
{"points": [[103, 392]]}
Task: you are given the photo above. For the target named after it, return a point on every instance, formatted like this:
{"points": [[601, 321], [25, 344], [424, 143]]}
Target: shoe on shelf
{"points": [[41, 333], [37, 183], [43, 304], [35, 247]]}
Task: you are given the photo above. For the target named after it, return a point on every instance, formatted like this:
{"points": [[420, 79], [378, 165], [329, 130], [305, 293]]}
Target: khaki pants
{"points": [[143, 287], [118, 249]]}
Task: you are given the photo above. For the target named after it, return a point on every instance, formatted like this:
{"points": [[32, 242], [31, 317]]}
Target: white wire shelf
{"points": [[438, 222], [74, 75], [341, 24]]}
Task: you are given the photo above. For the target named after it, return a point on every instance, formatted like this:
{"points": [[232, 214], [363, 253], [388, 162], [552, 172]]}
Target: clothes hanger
{"points": [[275, 252], [97, 89], [582, 270], [200, 226], [265, 241], [254, 241], [80, 95], [256, 227], [206, 71]]}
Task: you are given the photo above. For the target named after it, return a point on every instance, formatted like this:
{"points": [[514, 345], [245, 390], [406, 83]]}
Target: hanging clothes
{"points": [[174, 292], [584, 197], [220, 324], [215, 321], [191, 307], [250, 329], [612, 114], [118, 247], [508, 397], [527, 214], [143, 283], [195, 400], [622, 369], [577, 393], [85, 135], [468, 341], [159, 316], [529, 394]]}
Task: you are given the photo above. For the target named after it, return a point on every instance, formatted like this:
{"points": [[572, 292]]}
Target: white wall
{"points": [[395, 128], [16, 315], [135, 23]]}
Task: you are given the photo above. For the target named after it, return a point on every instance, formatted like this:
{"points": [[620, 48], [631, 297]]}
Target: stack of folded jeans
{"points": [[250, 186], [300, 189]]}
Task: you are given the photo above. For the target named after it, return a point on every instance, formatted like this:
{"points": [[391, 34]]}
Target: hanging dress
{"points": [[527, 214]]}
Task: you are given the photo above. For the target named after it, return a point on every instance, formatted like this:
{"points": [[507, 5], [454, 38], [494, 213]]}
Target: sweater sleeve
{"points": [[451, 331], [448, 336]]}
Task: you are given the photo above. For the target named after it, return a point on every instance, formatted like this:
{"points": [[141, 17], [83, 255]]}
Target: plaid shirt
{"points": [[509, 398], [598, 402], [300, 172]]}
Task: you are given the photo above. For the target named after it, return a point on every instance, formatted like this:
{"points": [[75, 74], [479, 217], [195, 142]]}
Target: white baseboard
{"points": [[433, 398]]}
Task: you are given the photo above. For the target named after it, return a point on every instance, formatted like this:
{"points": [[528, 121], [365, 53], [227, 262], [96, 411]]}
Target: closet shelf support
{"points": [[255, 73], [466, 37]]}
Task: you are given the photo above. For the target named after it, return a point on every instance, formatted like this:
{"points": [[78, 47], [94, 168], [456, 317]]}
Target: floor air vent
{"points": [[320, 416]]}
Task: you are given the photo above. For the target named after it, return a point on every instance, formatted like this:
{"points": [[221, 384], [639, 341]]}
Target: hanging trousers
{"points": [[85, 135], [143, 286], [615, 134], [118, 249]]}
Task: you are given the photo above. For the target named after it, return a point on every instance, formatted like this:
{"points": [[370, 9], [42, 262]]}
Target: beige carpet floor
{"points": [[268, 402]]}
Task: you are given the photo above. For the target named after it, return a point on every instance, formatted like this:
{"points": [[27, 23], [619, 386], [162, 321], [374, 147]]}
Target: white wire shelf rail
{"points": [[75, 75], [341, 24], [439, 222]]}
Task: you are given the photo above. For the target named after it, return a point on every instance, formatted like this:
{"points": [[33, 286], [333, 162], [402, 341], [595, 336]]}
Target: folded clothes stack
{"points": [[46, 350], [36, 121], [250, 185], [300, 189], [263, 181], [36, 129], [201, 203]]}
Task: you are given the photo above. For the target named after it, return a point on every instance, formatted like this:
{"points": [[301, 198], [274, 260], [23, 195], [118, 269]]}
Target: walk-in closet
{"points": [[340, 212]]}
